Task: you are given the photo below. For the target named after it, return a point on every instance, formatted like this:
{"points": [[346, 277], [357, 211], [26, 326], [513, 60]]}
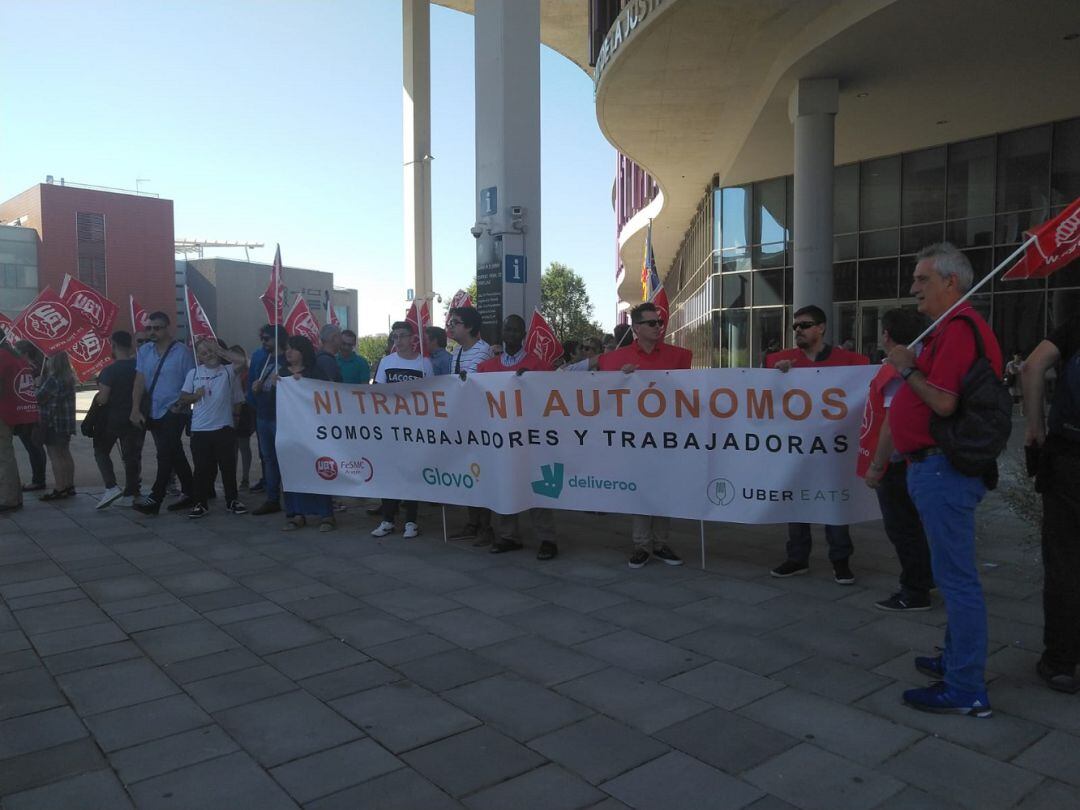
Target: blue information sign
{"points": [[514, 269], [489, 201]]}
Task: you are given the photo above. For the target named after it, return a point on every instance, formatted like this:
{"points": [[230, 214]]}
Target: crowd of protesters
{"points": [[221, 397]]}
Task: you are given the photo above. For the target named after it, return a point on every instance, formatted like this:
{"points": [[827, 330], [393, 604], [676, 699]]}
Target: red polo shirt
{"points": [[530, 362], [829, 356], [947, 355], [664, 356]]}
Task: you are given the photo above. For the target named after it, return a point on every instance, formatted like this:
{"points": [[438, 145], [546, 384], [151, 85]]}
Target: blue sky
{"points": [[279, 121]]}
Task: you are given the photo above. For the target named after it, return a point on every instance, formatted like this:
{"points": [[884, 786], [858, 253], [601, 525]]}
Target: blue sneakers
{"points": [[934, 667], [943, 699]]}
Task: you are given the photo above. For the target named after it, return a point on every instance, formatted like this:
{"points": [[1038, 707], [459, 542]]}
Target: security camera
{"points": [[476, 231]]}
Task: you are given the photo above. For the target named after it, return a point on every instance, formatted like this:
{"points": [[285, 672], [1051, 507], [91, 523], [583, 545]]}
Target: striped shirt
{"points": [[468, 359]]}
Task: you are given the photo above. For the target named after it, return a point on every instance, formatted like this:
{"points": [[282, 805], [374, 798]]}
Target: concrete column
{"points": [[507, 155], [812, 109], [416, 115]]}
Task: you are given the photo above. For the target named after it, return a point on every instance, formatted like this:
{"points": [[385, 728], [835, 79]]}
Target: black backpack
{"points": [[974, 435]]}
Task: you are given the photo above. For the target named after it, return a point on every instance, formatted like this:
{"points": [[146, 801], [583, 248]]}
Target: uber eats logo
{"points": [[550, 486]]}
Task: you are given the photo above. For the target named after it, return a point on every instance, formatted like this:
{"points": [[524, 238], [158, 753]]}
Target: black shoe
{"points": [[237, 508], [198, 511], [664, 553], [548, 551], [504, 545], [1057, 680], [932, 666], [259, 486], [790, 568], [639, 558], [185, 502], [901, 602], [267, 508], [147, 507], [466, 532], [842, 573]]}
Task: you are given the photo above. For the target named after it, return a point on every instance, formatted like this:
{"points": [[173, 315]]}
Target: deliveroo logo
{"points": [[550, 486]]}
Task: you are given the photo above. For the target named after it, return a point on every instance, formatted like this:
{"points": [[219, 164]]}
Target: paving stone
{"points": [[77, 638], [403, 789], [278, 729], [410, 603], [156, 617], [566, 627], [494, 600], [581, 598], [655, 622], [216, 600], [114, 686], [540, 660], [349, 680], [472, 760], [469, 628], [39, 768], [192, 583], [171, 753], [154, 600], [518, 577], [237, 688], [598, 748], [449, 669], [634, 700], [517, 707], [1032, 700], [99, 790], [320, 606], [33, 587], [48, 618], [46, 598], [207, 666], [367, 628], [971, 779], [646, 656], [133, 725], [761, 655], [723, 685], [914, 799], [814, 779], [332, 771], [546, 788], [360, 585], [240, 613], [1051, 796], [115, 589], [403, 716], [409, 649], [676, 780], [29, 571], [315, 659], [18, 659], [726, 740], [850, 732], [1056, 755], [27, 691], [651, 593], [167, 645], [835, 680], [272, 634], [227, 783], [40, 730]]}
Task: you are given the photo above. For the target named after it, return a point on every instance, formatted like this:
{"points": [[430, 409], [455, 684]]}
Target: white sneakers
{"points": [[108, 496], [386, 527]]}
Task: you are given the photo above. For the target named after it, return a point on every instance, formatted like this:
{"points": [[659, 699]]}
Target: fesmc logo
{"points": [[49, 320], [328, 469], [720, 491], [435, 477]]}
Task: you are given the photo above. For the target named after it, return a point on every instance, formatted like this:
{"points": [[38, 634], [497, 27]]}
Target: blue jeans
{"points": [[308, 503], [946, 501], [265, 429]]}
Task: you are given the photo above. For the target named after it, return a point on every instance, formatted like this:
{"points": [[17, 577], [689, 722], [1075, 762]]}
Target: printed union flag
{"points": [[198, 324], [140, 319], [541, 339], [50, 324], [301, 322], [460, 299], [1056, 244], [89, 355], [98, 310], [420, 318], [273, 299]]}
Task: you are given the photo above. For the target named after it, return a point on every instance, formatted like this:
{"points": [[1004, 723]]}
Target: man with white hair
{"points": [[945, 497], [329, 346]]}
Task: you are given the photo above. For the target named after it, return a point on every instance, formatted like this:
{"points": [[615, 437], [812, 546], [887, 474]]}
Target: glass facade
{"points": [[18, 269], [730, 284]]}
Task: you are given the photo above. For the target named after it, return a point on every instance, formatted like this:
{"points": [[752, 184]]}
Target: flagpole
{"points": [[191, 332], [973, 290]]}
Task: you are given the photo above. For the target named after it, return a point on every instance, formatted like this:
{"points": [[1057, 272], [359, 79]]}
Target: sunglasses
{"points": [[456, 322], [152, 328], [795, 327], [653, 322]]}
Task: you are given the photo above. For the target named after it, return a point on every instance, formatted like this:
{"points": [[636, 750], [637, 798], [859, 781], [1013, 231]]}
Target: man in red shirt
{"points": [[648, 352], [811, 351], [515, 357], [946, 498], [18, 406]]}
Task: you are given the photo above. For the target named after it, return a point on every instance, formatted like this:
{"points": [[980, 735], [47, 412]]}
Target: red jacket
{"points": [[664, 356], [829, 356]]}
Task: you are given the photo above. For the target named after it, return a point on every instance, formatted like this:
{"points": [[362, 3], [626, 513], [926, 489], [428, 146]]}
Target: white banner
{"points": [[741, 445]]}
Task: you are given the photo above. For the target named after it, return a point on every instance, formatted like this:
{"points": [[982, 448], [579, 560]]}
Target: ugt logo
{"points": [[326, 468], [49, 320], [550, 486]]}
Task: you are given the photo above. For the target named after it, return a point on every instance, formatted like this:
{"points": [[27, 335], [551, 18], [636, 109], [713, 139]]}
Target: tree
{"points": [[565, 303], [372, 347]]}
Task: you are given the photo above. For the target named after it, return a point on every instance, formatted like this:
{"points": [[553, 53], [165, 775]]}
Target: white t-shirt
{"points": [[222, 390], [394, 368], [468, 359]]}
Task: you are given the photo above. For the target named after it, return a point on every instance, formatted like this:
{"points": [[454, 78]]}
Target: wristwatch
{"points": [[907, 372]]}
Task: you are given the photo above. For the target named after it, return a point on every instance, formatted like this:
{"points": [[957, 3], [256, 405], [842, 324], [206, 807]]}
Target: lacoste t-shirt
{"points": [[394, 368]]}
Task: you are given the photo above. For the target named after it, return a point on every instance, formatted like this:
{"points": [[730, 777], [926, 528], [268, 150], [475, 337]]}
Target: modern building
{"points": [[801, 151], [18, 268]]}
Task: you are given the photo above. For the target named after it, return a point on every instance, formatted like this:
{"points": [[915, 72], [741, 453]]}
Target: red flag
{"points": [[50, 324], [460, 299], [198, 324], [139, 317], [328, 305], [1056, 243], [11, 335], [300, 321], [660, 301], [541, 339], [98, 310], [420, 318], [274, 298], [90, 355]]}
